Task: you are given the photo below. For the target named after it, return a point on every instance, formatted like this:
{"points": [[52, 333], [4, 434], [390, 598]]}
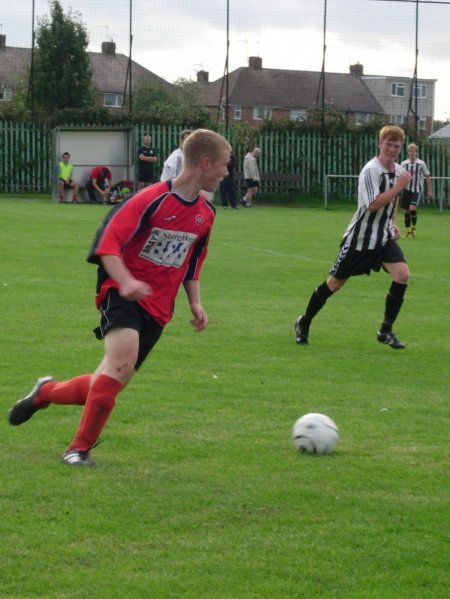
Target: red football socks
{"points": [[73, 392], [100, 403]]}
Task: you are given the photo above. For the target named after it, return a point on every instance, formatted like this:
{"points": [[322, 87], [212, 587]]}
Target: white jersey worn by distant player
{"points": [[419, 170], [173, 165], [371, 230], [251, 170]]}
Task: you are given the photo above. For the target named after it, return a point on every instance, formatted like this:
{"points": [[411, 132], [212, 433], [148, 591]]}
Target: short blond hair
{"points": [[412, 147], [184, 134], [202, 143], [393, 132]]}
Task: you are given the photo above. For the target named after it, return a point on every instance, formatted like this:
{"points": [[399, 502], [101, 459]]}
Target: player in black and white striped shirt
{"points": [[411, 194], [369, 242]]}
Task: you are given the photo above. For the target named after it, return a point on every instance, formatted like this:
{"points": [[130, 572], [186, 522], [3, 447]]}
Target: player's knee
{"points": [[123, 369], [402, 274], [335, 284]]}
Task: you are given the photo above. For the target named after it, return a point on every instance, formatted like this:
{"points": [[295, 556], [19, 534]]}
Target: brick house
{"points": [[257, 94], [109, 73], [400, 97]]}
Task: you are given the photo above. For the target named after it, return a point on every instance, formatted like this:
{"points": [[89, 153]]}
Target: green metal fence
{"points": [[25, 156]]}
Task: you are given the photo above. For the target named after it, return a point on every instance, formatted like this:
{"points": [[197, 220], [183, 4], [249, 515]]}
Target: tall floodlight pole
{"points": [[227, 118], [129, 75], [413, 96], [322, 89], [415, 86], [223, 103], [30, 95], [130, 67], [323, 61]]}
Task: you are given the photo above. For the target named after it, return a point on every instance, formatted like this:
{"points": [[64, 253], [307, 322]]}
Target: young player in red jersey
{"points": [[145, 250]]}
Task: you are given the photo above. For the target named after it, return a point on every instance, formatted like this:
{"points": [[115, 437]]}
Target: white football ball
{"points": [[315, 433]]}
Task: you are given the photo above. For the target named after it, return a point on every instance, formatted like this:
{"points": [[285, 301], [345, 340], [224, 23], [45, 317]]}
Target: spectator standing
{"points": [[228, 185], [147, 158], [369, 242], [251, 176], [412, 193], [99, 185], [65, 179], [174, 162]]}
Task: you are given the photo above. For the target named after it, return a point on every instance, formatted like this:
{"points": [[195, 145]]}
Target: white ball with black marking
{"points": [[315, 433]]}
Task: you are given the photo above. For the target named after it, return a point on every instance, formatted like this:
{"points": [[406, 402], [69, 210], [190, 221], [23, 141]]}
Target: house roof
{"points": [[443, 132], [109, 70], [14, 66], [289, 89], [398, 78]]}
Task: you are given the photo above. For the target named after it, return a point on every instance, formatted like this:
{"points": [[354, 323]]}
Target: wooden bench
{"points": [[288, 183]]}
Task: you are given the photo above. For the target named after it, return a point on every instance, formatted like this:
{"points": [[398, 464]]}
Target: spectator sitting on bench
{"points": [[99, 185], [65, 179]]}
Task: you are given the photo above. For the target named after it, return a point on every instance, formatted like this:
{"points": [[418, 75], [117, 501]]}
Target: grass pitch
{"points": [[199, 492]]}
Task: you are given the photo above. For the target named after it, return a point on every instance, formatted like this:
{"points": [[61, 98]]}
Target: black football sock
{"points": [[316, 302], [394, 301], [407, 220], [414, 219]]}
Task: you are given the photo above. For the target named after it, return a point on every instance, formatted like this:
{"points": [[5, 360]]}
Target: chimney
{"points": [[255, 63], [202, 76], [2, 41], [109, 48], [357, 69]]}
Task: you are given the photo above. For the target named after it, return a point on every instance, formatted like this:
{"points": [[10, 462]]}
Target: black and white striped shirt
{"points": [[371, 230], [419, 170]]}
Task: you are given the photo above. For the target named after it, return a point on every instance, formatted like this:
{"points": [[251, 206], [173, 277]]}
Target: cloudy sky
{"points": [[176, 38]]}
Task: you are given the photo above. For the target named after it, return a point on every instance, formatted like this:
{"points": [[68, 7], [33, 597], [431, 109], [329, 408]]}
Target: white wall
{"points": [[91, 146]]}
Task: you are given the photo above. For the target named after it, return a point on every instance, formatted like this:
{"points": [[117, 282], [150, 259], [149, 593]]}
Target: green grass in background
{"points": [[199, 492]]}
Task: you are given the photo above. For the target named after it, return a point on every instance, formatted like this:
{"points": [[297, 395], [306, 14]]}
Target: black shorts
{"points": [[351, 263], [146, 178], [251, 183], [408, 198], [67, 185], [117, 312]]}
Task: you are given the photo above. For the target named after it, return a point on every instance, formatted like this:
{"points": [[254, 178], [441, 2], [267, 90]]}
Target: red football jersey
{"points": [[97, 173], [162, 239]]}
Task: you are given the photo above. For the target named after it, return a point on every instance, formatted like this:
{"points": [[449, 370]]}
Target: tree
{"points": [[191, 100], [62, 72], [179, 104]]}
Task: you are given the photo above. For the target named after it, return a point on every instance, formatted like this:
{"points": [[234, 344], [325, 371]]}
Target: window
{"points": [[364, 117], [113, 100], [422, 122], [398, 89], [261, 113], [397, 119], [420, 91], [297, 114], [237, 113], [5, 94]]}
